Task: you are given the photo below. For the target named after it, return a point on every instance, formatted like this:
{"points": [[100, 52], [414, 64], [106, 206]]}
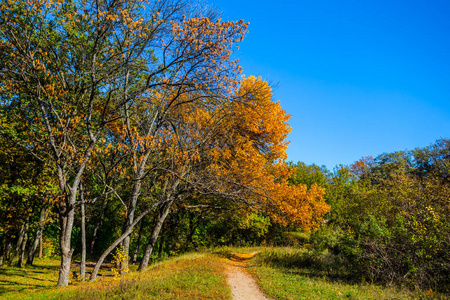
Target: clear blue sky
{"points": [[358, 77]]}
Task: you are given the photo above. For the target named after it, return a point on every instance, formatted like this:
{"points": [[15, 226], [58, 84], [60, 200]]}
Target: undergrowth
{"points": [[288, 273]]}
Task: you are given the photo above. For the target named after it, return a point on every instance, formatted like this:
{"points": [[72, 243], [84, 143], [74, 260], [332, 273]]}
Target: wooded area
{"points": [[127, 125], [389, 217], [115, 111]]}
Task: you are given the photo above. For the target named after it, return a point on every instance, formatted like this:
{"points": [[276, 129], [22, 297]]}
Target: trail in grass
{"points": [[243, 286]]}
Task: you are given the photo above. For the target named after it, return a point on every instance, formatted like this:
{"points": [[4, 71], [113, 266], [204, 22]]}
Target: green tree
{"points": [[76, 67], [310, 174]]}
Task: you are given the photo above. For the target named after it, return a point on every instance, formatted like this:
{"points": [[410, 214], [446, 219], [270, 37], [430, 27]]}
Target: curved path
{"points": [[243, 286]]}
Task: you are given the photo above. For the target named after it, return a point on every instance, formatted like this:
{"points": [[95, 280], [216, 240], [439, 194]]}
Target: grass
{"points": [[191, 276], [282, 274], [228, 251], [297, 238], [16, 282]]}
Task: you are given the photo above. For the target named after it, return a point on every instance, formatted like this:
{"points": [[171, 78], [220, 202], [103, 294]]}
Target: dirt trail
{"points": [[243, 286]]}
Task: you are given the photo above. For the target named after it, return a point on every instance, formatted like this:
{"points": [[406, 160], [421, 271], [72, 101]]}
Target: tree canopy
{"points": [[141, 102]]}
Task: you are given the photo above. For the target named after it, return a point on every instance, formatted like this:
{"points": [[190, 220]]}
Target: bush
{"points": [[412, 250]]}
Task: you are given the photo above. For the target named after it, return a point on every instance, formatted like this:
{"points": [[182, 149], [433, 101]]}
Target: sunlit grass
{"points": [[18, 282], [192, 276], [228, 251], [282, 273], [279, 281]]}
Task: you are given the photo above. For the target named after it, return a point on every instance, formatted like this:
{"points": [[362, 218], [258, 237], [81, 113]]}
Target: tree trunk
{"points": [[24, 243], [3, 246], [8, 251], [38, 236], [161, 243], [119, 240], [137, 176], [138, 243], [192, 227], [66, 220], [19, 241], [83, 241], [40, 247], [130, 217], [155, 233], [98, 225], [2, 251]]}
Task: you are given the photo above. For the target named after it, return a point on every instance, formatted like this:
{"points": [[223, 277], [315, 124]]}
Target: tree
{"points": [[74, 67], [390, 217], [203, 152], [26, 190], [139, 101], [310, 174]]}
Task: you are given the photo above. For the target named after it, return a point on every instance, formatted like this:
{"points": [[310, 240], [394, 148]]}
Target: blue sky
{"points": [[358, 77]]}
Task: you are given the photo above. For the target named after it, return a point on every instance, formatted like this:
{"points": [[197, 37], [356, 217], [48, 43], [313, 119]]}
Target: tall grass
{"points": [[288, 273]]}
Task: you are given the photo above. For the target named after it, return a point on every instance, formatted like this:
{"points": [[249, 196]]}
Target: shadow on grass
{"points": [[29, 277], [27, 270], [9, 283], [41, 277], [26, 280], [55, 268]]}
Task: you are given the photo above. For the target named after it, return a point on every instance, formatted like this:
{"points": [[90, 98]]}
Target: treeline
{"points": [[389, 218], [123, 121]]}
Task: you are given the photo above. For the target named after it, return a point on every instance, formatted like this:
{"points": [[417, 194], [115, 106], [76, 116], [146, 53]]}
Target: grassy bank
{"points": [[192, 276], [286, 273]]}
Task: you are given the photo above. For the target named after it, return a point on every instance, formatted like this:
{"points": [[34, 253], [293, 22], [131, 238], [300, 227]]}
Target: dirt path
{"points": [[243, 286]]}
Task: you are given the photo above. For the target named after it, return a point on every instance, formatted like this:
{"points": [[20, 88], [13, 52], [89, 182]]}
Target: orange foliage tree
{"points": [[150, 88], [236, 152], [252, 155]]}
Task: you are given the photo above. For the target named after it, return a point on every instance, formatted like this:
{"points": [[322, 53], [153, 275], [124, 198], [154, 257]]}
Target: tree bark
{"points": [[8, 251], [24, 243], [3, 246], [192, 227], [161, 244], [130, 217], [98, 225], [66, 221], [40, 247], [38, 236], [155, 233], [83, 240], [138, 179], [2, 251], [138, 243], [67, 216], [139, 173], [19, 241]]}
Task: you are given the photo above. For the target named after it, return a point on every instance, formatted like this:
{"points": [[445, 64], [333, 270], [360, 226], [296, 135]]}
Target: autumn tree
{"points": [[77, 67], [214, 143], [225, 148], [140, 101]]}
